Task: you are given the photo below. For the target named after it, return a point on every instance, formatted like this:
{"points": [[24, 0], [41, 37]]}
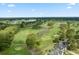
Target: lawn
{"points": [[18, 46]]}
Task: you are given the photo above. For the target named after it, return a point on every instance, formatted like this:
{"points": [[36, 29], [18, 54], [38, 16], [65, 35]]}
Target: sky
{"points": [[39, 10]]}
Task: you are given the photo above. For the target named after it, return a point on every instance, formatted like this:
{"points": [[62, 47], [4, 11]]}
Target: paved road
{"points": [[59, 49]]}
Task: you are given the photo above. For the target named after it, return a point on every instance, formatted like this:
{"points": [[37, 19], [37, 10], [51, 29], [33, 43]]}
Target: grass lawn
{"points": [[47, 39], [20, 37], [18, 46]]}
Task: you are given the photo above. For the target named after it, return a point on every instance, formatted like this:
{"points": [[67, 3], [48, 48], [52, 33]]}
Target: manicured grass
{"points": [[47, 39], [21, 36], [18, 46], [16, 50]]}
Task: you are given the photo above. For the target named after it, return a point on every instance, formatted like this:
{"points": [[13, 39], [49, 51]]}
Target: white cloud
{"points": [[33, 10], [72, 4], [40, 13], [2, 3], [11, 5], [9, 11], [69, 7]]}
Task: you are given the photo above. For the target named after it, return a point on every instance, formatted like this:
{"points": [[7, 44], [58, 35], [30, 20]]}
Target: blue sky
{"points": [[39, 10]]}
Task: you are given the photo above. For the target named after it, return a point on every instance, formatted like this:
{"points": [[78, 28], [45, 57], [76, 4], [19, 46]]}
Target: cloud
{"points": [[69, 7], [41, 13], [11, 5], [2, 3], [33, 10], [9, 11], [72, 4]]}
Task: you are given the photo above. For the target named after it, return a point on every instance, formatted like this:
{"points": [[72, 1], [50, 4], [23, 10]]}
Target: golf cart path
{"points": [[72, 53]]}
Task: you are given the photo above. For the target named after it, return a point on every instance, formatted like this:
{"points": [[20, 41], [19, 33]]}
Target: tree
{"points": [[6, 37], [71, 39], [2, 26], [50, 24], [5, 40], [22, 25], [37, 25], [77, 38], [67, 32], [56, 40], [62, 32], [31, 41]]}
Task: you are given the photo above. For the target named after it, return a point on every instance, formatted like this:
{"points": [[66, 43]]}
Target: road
{"points": [[59, 49]]}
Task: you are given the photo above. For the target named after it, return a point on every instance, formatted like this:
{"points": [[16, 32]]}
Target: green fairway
{"points": [[46, 35], [20, 37], [18, 45]]}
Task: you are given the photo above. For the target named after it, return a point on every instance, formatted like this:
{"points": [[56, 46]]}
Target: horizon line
{"points": [[43, 17]]}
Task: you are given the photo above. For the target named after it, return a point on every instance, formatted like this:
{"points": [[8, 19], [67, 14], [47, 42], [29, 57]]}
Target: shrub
{"points": [[6, 37], [72, 46], [23, 24], [37, 25], [5, 40], [50, 24], [2, 26], [31, 41]]}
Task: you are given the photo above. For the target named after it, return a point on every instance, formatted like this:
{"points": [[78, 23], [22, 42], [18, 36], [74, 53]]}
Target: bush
{"points": [[56, 40], [2, 26], [37, 25], [72, 46], [31, 41], [12, 29], [6, 37], [5, 40], [50, 24], [23, 24]]}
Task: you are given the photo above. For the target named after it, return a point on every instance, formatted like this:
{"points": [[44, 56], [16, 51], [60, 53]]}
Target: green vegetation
{"points": [[25, 37], [31, 41], [6, 37]]}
